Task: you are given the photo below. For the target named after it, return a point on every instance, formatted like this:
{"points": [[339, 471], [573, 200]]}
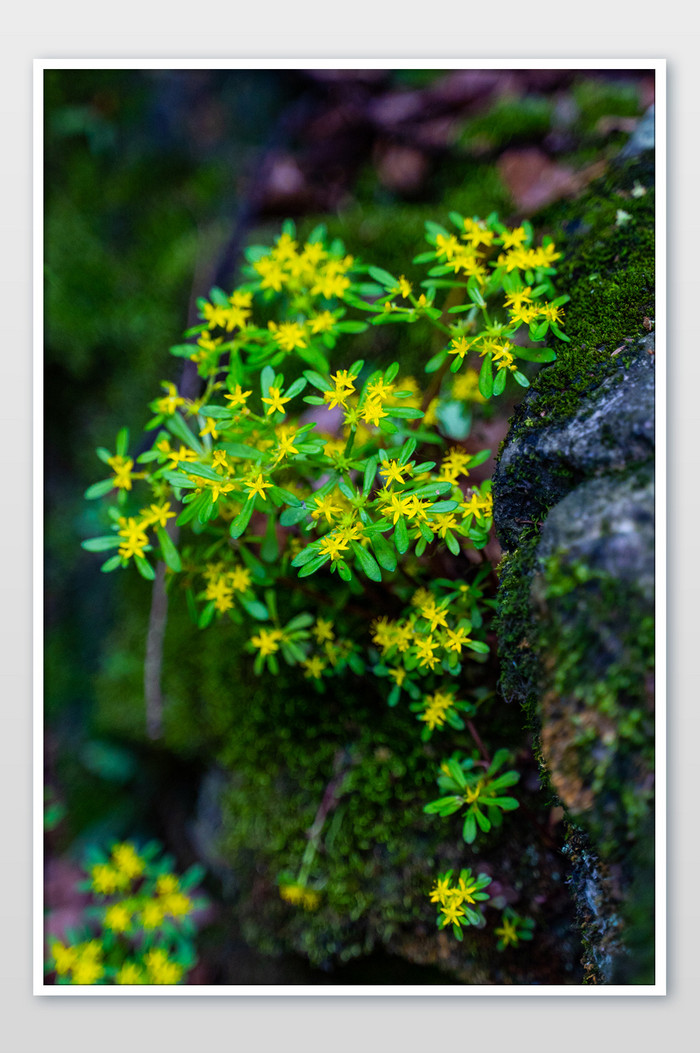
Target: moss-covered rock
{"points": [[574, 508], [273, 751]]}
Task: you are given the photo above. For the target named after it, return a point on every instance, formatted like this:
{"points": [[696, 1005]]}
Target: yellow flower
{"points": [[424, 651], [159, 514], [130, 973], [551, 312], [169, 402], [456, 639], [258, 486], [310, 899], [64, 957], [434, 614], [524, 313], [285, 444], [267, 641], [135, 537], [210, 428], [394, 472], [87, 971], [177, 904], [463, 892], [275, 400], [452, 912], [238, 396], [466, 387], [166, 884], [123, 473], [127, 860], [479, 506], [239, 578], [314, 667], [436, 707], [271, 272], [440, 891], [221, 594], [447, 246], [330, 284], [183, 454], [325, 506], [214, 315], [291, 893], [239, 298], [288, 335], [152, 914], [379, 390], [322, 323], [460, 346], [507, 932], [477, 233], [117, 918], [332, 545], [399, 506], [298, 894], [514, 238], [105, 879], [323, 630], [161, 970], [373, 411]]}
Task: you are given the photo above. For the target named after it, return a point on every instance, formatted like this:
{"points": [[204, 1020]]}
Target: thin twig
{"points": [[482, 749]]}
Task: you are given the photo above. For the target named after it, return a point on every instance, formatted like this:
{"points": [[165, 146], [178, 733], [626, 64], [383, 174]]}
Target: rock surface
{"points": [[574, 510]]}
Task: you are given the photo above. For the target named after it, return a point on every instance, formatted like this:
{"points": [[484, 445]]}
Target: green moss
{"points": [[511, 119], [518, 661], [607, 268], [598, 640], [604, 98], [584, 671]]}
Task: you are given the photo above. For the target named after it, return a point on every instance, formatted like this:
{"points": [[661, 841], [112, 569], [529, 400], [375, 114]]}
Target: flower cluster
{"points": [[458, 903], [145, 916], [513, 929], [296, 462], [473, 784], [300, 895]]}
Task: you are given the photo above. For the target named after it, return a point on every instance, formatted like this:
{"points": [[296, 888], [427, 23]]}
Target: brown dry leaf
{"points": [[401, 168], [534, 180]]}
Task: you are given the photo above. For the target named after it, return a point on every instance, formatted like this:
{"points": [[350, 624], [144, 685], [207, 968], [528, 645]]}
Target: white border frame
{"points": [[658, 66]]}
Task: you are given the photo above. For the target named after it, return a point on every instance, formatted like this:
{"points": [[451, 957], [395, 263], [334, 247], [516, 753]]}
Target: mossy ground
{"points": [[278, 746]]}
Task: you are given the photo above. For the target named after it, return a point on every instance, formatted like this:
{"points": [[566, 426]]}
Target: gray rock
{"points": [[606, 524], [642, 138], [612, 429]]}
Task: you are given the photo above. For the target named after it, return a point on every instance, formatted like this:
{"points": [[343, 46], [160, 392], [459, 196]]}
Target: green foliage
{"points": [[479, 791], [458, 904], [139, 927], [513, 929], [288, 497], [510, 119]]}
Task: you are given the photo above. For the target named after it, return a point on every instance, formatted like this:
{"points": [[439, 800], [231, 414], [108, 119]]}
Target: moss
{"points": [[277, 747], [598, 652], [511, 119], [576, 636], [607, 268], [596, 98]]}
